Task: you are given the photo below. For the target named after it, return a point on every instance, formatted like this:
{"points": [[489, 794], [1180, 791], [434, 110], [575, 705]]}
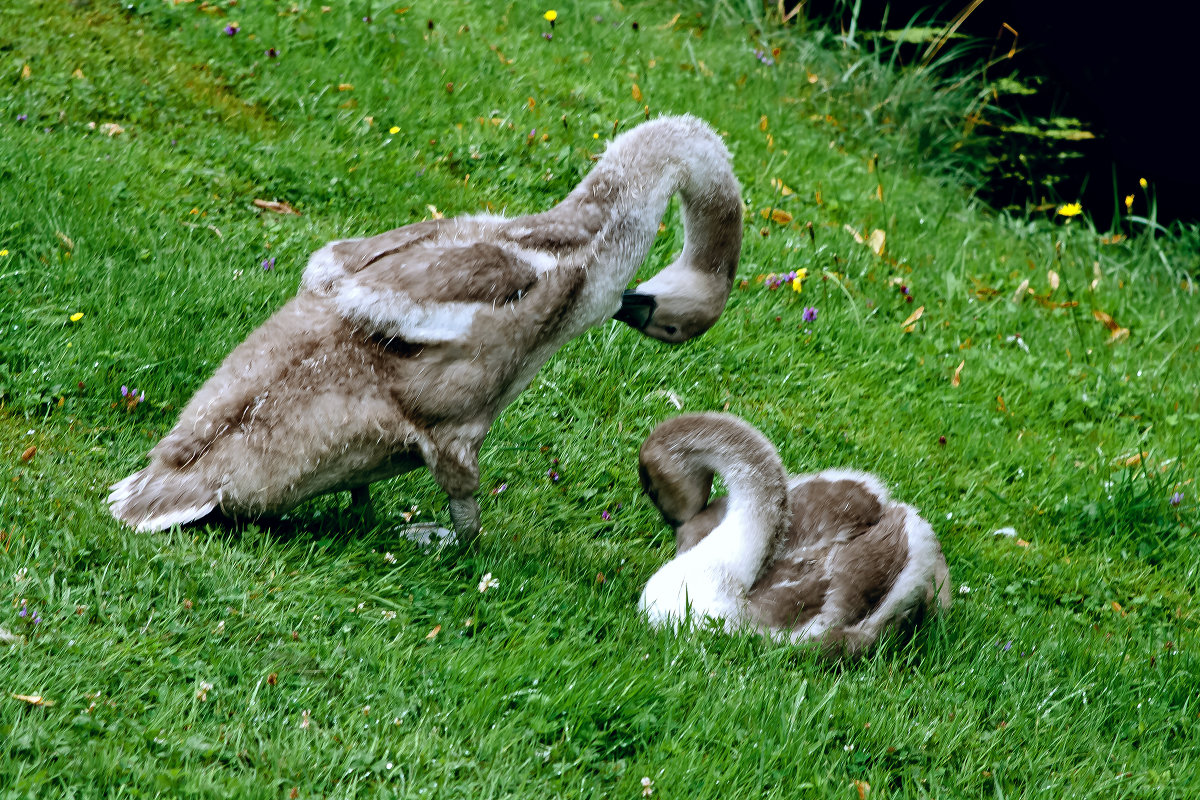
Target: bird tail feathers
{"points": [[154, 499]]}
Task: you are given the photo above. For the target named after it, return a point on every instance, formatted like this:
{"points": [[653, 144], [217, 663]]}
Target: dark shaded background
{"points": [[1129, 71]]}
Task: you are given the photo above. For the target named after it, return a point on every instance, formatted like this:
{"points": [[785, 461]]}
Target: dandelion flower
{"points": [[394, 130], [550, 15], [3, 252], [78, 315], [1142, 183], [1128, 202], [1070, 210]]}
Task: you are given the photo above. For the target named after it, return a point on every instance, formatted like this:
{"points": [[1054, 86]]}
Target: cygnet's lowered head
{"points": [[675, 305]]}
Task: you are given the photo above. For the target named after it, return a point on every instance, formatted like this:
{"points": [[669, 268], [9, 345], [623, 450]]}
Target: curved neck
{"points": [[613, 216], [683, 453]]}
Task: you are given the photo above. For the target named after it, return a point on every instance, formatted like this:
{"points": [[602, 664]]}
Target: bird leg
{"points": [[465, 513], [360, 503]]}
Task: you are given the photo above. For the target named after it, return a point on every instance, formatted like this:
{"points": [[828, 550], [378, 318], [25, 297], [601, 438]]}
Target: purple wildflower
{"points": [[22, 117], [762, 56], [231, 30], [367, 20], [1177, 498], [552, 475], [268, 263], [142, 396], [37, 618], [1008, 645], [500, 488], [547, 36], [124, 390], [810, 314], [24, 612], [606, 516]]}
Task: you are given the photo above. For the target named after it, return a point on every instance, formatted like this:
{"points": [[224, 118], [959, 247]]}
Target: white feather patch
{"points": [[395, 314]]}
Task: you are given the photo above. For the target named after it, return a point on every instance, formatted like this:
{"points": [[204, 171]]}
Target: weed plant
{"points": [[1024, 374]]}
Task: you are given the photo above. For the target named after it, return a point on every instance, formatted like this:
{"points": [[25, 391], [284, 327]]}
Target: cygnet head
{"points": [[678, 489], [675, 305]]}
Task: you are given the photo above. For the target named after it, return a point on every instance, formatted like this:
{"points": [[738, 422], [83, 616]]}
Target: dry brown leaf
{"points": [[876, 240], [66, 240], [913, 317], [1129, 459], [1000, 404], [1106, 319], [1020, 292], [777, 215], [26, 73], [433, 633], [29, 451], [77, 74], [34, 699], [1021, 543], [345, 87], [671, 24], [863, 788], [112, 129], [781, 187], [278, 206], [957, 379], [762, 123], [637, 93]]}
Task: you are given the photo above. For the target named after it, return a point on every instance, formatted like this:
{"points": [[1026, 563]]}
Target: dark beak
{"points": [[636, 309]]}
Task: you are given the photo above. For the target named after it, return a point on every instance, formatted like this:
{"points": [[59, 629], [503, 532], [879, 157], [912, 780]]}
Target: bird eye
{"points": [[670, 330]]}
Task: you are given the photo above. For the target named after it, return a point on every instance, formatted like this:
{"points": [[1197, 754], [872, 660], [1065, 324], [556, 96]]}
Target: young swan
{"points": [[825, 557], [401, 349]]}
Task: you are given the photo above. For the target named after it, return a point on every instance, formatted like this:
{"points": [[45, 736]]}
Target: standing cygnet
{"points": [[825, 557], [401, 349]]}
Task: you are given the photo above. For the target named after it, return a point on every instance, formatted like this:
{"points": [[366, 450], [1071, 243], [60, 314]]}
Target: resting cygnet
{"points": [[401, 349], [825, 557]]}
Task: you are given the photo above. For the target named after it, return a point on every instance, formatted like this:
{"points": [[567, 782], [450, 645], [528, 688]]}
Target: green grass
{"points": [[549, 685]]}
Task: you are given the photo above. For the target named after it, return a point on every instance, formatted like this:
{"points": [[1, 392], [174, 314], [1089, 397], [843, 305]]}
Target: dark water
{"points": [[1126, 74]]}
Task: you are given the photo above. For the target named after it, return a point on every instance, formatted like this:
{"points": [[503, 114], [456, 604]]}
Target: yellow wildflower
{"points": [[3, 252], [798, 281], [1142, 182], [1070, 210], [78, 315], [550, 15], [594, 136], [394, 130], [1128, 202]]}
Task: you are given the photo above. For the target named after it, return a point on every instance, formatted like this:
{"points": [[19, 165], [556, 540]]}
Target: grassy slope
{"points": [[555, 688]]}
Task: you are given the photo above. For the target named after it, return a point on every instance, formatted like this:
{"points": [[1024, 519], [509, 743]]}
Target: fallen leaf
{"points": [[345, 87], [1020, 292], [77, 74], [1000, 404], [112, 129], [1117, 333], [66, 240], [779, 186], [762, 123], [34, 699], [278, 206], [433, 633], [1022, 543], [875, 241], [637, 93], [863, 788], [1129, 459], [857, 236], [26, 73], [913, 317], [957, 379], [29, 451], [777, 215]]}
